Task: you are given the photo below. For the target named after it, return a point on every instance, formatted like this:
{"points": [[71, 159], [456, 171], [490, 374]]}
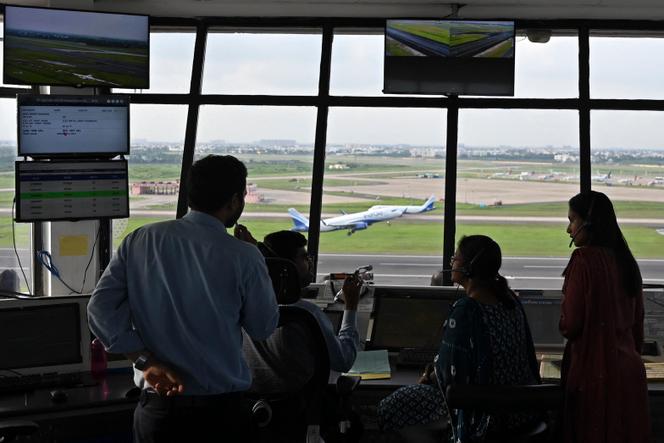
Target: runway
{"points": [[521, 272]]}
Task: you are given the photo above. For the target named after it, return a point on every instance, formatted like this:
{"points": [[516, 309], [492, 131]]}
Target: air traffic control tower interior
{"points": [[382, 148]]}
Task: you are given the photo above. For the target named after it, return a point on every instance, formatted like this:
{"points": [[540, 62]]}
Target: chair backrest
{"points": [[294, 322], [500, 398], [285, 280]]}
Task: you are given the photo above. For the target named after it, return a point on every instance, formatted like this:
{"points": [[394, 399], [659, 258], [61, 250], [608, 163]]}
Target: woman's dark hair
{"points": [[213, 180], [285, 243], [481, 261], [602, 228]]}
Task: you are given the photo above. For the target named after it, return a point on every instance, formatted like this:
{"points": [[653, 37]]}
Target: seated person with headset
{"points": [[486, 340], [274, 370]]}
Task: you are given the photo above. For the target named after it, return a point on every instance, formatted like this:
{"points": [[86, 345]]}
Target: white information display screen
{"points": [[51, 126], [76, 190]]}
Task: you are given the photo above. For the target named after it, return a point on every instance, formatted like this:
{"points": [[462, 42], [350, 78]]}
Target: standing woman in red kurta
{"points": [[606, 393]]}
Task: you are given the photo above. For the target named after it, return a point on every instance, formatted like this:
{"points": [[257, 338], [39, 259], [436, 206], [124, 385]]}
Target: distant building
{"points": [[253, 196], [277, 142], [155, 188]]}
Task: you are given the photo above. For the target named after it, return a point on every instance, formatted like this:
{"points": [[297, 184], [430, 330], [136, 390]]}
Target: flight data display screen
{"points": [[76, 190], [52, 126]]}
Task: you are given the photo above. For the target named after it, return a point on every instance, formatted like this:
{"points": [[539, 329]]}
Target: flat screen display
{"points": [[64, 125], [408, 321], [71, 190], [45, 46], [543, 317], [460, 57], [38, 336]]}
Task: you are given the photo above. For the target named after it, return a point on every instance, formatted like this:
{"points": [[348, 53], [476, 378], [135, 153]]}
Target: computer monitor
{"points": [[59, 47], [71, 190], [409, 318], [543, 315], [44, 335], [461, 57], [72, 125]]}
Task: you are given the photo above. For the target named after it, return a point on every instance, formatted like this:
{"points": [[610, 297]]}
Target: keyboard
{"points": [[415, 357], [22, 383]]}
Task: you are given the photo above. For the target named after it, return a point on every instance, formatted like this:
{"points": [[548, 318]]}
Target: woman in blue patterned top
{"points": [[486, 341]]}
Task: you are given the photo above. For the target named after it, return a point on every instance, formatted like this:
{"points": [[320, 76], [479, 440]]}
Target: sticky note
{"points": [[73, 245]]}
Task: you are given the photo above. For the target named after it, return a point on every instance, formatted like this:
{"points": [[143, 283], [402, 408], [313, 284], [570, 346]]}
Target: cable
{"points": [[20, 265], [47, 261], [92, 254]]}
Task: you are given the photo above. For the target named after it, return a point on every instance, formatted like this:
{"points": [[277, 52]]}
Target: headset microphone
{"points": [[578, 231]]}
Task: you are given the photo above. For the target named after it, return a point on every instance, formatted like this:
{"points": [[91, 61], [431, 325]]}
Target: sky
{"points": [[288, 64]]}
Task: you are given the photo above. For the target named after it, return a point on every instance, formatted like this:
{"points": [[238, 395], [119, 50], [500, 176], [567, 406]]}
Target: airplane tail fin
{"points": [[300, 222], [609, 175], [429, 204]]}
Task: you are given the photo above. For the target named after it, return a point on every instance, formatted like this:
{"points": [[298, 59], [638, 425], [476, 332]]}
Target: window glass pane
{"points": [[384, 157], [546, 70], [154, 166], [626, 67], [171, 57], [7, 184], [357, 64], [265, 63], [276, 145], [2, 48], [628, 166], [516, 171]]}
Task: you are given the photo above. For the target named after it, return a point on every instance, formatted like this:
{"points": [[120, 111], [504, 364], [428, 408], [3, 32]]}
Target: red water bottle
{"points": [[97, 358]]}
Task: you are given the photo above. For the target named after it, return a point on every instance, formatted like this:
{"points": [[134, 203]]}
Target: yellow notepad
{"points": [[371, 365]]}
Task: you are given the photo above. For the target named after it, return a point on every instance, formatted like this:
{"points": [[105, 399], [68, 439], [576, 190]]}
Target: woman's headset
{"points": [[467, 270]]}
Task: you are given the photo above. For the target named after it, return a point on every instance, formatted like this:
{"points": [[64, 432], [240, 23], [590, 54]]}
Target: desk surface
{"points": [[109, 391]]}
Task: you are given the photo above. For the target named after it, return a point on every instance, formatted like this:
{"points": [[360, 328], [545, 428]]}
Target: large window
{"points": [[516, 171], [518, 159], [628, 166], [276, 145], [382, 165], [262, 63]]}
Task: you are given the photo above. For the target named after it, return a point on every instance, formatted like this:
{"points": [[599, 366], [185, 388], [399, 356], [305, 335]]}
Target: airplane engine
{"points": [[358, 227]]}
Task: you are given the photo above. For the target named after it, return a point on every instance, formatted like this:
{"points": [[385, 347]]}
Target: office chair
{"points": [[500, 398], [277, 416], [11, 429]]}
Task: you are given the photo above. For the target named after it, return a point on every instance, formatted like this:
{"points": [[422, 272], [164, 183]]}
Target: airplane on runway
{"points": [[426, 207], [603, 178], [360, 220]]}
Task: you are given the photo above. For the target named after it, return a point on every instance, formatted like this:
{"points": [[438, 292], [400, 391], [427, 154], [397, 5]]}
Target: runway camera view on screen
{"points": [[75, 48], [449, 57]]}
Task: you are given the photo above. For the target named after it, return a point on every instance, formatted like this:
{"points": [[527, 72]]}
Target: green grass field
{"points": [[398, 238]]}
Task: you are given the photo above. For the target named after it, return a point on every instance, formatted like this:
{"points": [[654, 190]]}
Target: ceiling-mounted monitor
{"points": [[451, 57], [59, 47], [72, 125]]}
